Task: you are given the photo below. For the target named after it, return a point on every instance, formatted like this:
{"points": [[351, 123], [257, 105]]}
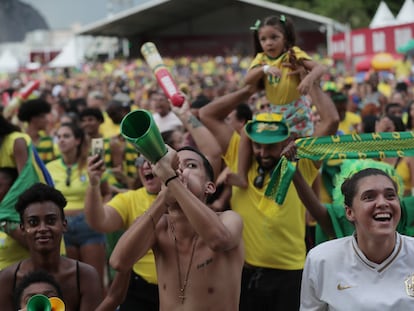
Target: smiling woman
{"points": [[42, 224], [372, 259]]}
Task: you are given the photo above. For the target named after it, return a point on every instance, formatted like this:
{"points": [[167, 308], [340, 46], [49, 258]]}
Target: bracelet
{"points": [[266, 69], [152, 218], [169, 179]]}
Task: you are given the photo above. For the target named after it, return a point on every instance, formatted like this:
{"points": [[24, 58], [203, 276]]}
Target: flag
{"points": [[34, 171]]}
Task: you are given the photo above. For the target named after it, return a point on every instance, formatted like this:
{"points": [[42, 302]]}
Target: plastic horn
{"points": [[57, 304], [161, 72], [39, 303], [139, 128]]}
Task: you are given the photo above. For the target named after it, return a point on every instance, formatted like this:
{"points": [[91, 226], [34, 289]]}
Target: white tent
{"points": [[70, 56], [406, 13], [383, 17], [8, 62]]}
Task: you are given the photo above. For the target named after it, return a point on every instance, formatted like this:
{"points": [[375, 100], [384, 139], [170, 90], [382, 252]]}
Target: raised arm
{"points": [[312, 204], [100, 217], [116, 293], [202, 136], [329, 117], [127, 250], [213, 115]]}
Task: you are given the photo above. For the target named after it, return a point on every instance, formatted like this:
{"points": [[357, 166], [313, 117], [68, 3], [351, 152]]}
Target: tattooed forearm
{"points": [[194, 122]]}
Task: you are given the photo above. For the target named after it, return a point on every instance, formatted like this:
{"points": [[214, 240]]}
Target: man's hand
{"points": [[290, 150], [96, 167], [166, 166]]}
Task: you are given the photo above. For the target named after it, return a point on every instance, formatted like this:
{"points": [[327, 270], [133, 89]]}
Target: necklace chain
{"points": [[182, 285]]}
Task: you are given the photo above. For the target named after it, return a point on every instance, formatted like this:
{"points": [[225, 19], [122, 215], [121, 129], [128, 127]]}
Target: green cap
{"points": [[267, 128]]}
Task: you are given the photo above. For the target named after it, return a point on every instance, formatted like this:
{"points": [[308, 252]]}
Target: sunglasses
{"points": [[260, 178], [68, 176], [140, 161]]}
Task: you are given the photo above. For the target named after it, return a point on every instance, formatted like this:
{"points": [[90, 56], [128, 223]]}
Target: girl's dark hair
{"points": [[40, 193], [37, 276], [350, 185], [285, 25], [398, 123]]}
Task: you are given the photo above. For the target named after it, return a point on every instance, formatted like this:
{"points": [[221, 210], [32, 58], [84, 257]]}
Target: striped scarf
{"points": [[354, 146]]}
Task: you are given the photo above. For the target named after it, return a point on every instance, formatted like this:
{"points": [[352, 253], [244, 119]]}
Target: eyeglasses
{"points": [[260, 178], [68, 175]]}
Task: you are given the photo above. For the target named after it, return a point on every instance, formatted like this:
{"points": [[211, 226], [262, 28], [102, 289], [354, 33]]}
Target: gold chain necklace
{"points": [[182, 285]]}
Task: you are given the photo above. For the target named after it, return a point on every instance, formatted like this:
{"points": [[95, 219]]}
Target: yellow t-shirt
{"points": [[76, 191], [6, 150], [108, 128], [10, 251], [404, 171], [130, 205], [349, 124], [274, 235], [285, 90]]}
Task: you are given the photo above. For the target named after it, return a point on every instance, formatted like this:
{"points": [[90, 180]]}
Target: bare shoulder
{"points": [[87, 272], [7, 275], [229, 214]]}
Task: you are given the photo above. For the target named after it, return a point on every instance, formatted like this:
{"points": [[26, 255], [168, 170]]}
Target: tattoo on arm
{"points": [[205, 263], [194, 122]]}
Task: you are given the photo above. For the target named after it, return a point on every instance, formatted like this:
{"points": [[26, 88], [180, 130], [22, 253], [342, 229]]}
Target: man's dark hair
{"points": [[207, 166], [37, 276], [92, 112], [40, 193], [243, 112], [390, 106], [33, 108]]}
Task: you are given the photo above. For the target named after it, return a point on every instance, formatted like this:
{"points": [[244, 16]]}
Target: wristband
{"points": [[169, 179], [266, 69]]}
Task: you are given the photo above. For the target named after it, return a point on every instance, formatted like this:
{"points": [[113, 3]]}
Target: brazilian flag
{"points": [[34, 171]]}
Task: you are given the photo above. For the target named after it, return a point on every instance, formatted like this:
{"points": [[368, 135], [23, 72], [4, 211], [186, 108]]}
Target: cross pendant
{"points": [[182, 297]]}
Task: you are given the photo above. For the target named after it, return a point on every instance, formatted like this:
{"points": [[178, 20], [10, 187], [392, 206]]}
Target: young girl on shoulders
{"points": [[276, 69]]}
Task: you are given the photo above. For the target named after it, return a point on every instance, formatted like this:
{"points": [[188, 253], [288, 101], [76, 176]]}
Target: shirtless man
{"points": [[199, 254], [42, 224]]}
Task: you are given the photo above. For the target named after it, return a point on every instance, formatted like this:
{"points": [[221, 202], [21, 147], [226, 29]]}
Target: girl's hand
{"points": [[167, 166], [273, 74]]}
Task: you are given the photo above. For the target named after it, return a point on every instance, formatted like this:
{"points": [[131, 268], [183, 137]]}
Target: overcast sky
{"points": [[63, 14]]}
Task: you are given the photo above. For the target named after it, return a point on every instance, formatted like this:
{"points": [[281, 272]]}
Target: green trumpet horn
{"points": [[39, 303], [139, 128]]}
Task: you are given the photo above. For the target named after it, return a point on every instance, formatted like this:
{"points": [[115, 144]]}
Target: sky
{"points": [[63, 14]]}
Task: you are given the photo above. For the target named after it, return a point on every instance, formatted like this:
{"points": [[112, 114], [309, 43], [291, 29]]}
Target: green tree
{"points": [[355, 12]]}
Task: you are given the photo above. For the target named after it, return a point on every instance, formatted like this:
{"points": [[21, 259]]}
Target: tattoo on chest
{"points": [[205, 263]]}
